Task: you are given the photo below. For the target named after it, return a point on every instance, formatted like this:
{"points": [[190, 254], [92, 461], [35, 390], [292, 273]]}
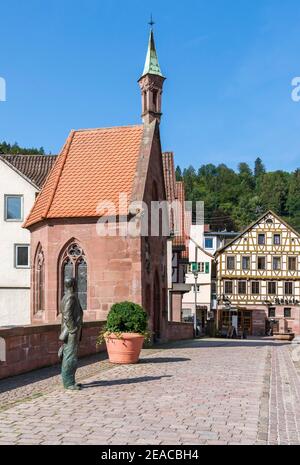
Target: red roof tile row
{"points": [[94, 166]]}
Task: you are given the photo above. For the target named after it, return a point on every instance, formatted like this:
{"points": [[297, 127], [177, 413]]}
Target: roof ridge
{"points": [[28, 155], [251, 225], [66, 148], [108, 128]]}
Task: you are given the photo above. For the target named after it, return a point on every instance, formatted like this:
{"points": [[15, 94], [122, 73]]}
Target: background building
{"points": [[177, 243], [214, 240], [21, 177], [258, 278], [197, 254]]}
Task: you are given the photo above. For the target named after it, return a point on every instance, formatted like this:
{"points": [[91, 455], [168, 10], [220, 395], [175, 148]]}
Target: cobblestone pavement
{"points": [[199, 392], [39, 382]]}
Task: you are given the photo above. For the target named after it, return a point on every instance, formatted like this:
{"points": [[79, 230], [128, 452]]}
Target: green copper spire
{"points": [[151, 63]]}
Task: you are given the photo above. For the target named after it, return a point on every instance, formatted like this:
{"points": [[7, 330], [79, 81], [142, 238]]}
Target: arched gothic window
{"points": [[74, 265], [39, 281]]}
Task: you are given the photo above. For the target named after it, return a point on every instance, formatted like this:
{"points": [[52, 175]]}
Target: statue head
{"points": [[70, 284]]}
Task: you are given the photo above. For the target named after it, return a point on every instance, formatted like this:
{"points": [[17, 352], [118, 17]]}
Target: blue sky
{"points": [[229, 65]]}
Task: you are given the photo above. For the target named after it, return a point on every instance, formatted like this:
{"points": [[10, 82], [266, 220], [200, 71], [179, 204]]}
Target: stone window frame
{"points": [[289, 312], [270, 311], [39, 280], [75, 260]]}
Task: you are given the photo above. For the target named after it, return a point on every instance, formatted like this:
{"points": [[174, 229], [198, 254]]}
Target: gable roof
{"points": [[33, 168], [269, 212], [95, 165]]}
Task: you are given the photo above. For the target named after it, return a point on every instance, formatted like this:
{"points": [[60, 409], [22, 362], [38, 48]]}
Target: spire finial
{"points": [[151, 22]]}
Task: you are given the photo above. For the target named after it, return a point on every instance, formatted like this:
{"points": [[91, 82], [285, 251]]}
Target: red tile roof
{"points": [[175, 191], [34, 167], [179, 240], [94, 166], [169, 175]]}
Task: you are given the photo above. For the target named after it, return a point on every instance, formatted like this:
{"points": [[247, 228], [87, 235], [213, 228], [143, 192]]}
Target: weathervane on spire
{"points": [[151, 22]]}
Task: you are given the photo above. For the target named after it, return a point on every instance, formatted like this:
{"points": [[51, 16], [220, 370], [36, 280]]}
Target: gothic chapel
{"points": [[94, 166]]}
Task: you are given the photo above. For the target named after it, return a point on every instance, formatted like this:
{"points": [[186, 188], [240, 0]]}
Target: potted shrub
{"points": [[125, 332]]}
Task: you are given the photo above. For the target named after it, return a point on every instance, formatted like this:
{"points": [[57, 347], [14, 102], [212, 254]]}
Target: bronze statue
{"points": [[71, 330]]}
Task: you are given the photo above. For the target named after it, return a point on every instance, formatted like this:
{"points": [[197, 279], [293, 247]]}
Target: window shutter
{"points": [[206, 267]]}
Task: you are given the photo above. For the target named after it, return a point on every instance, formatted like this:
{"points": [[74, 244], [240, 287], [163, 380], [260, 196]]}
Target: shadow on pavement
{"points": [[163, 360], [41, 374], [206, 343], [116, 382]]}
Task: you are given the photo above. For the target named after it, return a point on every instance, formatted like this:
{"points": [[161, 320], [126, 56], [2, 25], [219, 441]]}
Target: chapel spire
{"points": [[151, 83]]}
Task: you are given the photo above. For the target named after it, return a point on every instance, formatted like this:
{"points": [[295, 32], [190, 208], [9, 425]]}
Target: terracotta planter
{"points": [[125, 349], [284, 336]]}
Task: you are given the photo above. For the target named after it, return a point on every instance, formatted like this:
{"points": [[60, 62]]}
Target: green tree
{"points": [[234, 199], [15, 149], [293, 199], [259, 167], [273, 191], [178, 173]]}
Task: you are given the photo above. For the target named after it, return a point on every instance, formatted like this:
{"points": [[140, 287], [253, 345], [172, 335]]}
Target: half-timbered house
{"points": [[258, 278]]}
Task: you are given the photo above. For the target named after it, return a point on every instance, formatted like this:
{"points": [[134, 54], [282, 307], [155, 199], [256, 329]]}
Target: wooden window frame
{"points": [[228, 282], [268, 287], [242, 281], [234, 262], [252, 283], [249, 262], [265, 265], [276, 235], [292, 285], [295, 261]]}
